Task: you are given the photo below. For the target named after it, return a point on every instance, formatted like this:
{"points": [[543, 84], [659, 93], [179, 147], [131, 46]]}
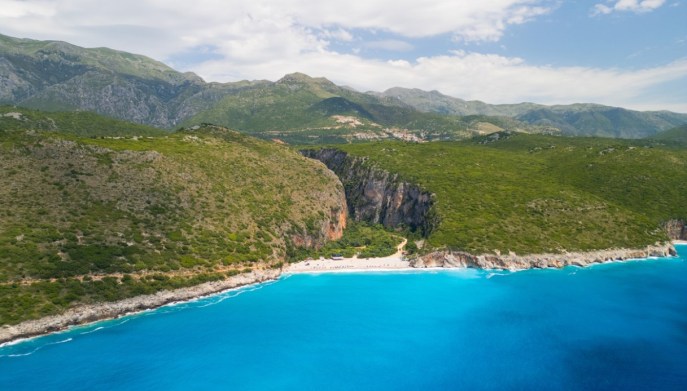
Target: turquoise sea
{"points": [[617, 326]]}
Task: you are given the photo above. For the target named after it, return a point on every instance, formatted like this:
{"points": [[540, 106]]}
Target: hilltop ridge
{"points": [[55, 75], [115, 215]]}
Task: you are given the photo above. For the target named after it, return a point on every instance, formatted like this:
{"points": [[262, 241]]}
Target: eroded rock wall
{"points": [[457, 259], [378, 196], [676, 229]]}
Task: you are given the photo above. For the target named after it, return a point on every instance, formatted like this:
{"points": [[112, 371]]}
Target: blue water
{"points": [[613, 326]]}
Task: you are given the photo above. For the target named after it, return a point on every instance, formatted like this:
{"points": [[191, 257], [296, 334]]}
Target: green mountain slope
{"points": [[436, 102], [301, 109], [81, 123], [574, 120], [534, 194], [52, 75], [58, 76], [98, 219], [603, 121], [675, 135]]}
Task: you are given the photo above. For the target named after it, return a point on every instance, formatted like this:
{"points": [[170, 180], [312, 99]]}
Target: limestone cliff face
{"points": [[457, 259], [676, 229], [331, 225], [337, 223], [377, 196], [330, 228]]}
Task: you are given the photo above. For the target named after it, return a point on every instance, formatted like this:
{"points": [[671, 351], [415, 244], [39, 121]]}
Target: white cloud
{"points": [[488, 77], [212, 22], [636, 6], [18, 9], [261, 39]]}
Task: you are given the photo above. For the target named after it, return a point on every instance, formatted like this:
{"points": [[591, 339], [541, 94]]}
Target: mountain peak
{"points": [[302, 78]]}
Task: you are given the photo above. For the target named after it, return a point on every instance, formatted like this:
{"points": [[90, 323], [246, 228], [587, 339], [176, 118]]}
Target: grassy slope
{"points": [[80, 123], [87, 220], [674, 135], [100, 58], [533, 194], [299, 109]]}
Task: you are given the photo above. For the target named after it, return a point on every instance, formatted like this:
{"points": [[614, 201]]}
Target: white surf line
{"points": [[125, 317], [37, 348]]}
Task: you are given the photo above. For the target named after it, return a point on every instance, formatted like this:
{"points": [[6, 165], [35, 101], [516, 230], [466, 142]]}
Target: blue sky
{"points": [[630, 53], [567, 36]]}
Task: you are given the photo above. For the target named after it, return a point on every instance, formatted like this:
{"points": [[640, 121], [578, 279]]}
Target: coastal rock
{"points": [[676, 229], [377, 196], [90, 313], [458, 259]]}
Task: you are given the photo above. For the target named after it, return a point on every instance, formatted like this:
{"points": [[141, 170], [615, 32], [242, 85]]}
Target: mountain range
{"points": [[54, 75]]}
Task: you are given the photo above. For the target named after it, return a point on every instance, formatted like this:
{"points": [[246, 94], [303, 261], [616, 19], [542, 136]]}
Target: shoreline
{"points": [[512, 261], [91, 313], [88, 314]]}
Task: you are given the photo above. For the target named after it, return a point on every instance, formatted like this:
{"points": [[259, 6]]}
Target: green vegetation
{"points": [[80, 123], [359, 239], [603, 121], [42, 298], [581, 119], [533, 194], [674, 135], [87, 59], [52, 75], [304, 110], [91, 219]]}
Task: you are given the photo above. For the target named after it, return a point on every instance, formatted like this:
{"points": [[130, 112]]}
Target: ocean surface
{"points": [[619, 326]]}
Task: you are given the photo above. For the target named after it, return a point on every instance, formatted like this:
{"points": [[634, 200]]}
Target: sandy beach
{"points": [[392, 262], [109, 310]]}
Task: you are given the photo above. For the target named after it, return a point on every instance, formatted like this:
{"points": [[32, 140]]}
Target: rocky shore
{"points": [[438, 259], [91, 313], [457, 259]]}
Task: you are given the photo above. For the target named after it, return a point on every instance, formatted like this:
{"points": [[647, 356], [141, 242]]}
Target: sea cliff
{"points": [[378, 196], [676, 229]]}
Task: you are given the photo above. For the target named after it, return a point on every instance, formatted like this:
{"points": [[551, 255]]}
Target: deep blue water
{"points": [[613, 326]]}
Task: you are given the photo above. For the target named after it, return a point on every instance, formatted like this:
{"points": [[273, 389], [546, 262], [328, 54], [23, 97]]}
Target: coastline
{"points": [[86, 314], [392, 262], [512, 261]]}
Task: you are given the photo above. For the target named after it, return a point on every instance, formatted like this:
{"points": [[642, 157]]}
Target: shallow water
{"points": [[610, 326]]}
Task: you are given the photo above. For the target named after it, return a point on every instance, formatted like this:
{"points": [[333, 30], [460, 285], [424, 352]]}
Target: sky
{"points": [[628, 53]]}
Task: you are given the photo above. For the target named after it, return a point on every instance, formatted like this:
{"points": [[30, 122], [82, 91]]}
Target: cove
{"points": [[610, 326]]}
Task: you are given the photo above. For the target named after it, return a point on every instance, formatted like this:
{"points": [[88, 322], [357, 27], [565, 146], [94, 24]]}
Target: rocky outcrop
{"points": [[328, 229], [676, 229], [377, 196], [458, 259], [90, 313]]}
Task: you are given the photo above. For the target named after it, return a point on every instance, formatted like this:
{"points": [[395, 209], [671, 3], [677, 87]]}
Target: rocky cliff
{"points": [[330, 228], [377, 196], [676, 229], [456, 259]]}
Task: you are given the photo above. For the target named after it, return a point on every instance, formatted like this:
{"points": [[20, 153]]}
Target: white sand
{"points": [[393, 262], [679, 241]]}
